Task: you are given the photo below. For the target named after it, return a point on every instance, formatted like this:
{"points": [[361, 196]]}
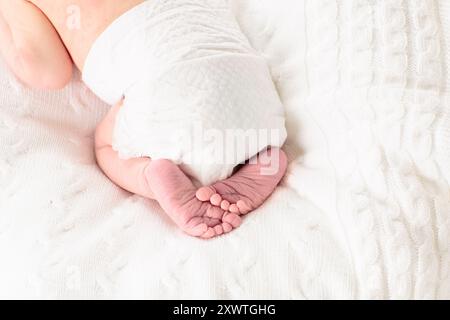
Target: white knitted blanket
{"points": [[364, 211]]}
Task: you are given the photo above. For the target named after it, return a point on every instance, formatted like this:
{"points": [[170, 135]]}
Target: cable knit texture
{"points": [[364, 211]]}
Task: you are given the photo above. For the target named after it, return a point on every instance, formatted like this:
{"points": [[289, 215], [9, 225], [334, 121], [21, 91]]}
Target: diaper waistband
{"points": [[155, 35], [101, 59]]}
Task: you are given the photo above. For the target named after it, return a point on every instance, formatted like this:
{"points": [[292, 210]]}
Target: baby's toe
{"points": [[233, 219], [225, 205], [210, 233], [226, 227], [234, 209], [214, 212], [205, 193], [218, 229], [216, 199], [198, 230], [243, 207]]}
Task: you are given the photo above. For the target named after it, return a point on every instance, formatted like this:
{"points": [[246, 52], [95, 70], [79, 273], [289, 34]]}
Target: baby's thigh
{"points": [[104, 130]]}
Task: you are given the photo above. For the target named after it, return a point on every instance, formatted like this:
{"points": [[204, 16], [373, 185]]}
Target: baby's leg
{"points": [[31, 46], [248, 188], [128, 174], [164, 181]]}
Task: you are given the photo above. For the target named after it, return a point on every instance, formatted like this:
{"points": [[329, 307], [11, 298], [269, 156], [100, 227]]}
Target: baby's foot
{"points": [[248, 188], [176, 195]]}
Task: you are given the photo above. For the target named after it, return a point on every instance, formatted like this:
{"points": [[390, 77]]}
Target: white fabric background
{"points": [[364, 209]]}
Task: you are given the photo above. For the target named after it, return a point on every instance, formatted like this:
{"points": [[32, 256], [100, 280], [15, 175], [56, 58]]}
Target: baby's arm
{"points": [[31, 46]]}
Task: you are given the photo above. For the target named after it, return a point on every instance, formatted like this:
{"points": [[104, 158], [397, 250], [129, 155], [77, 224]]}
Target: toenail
{"points": [[234, 208]]}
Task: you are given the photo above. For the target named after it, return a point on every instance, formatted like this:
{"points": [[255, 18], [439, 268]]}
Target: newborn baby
{"points": [[168, 68]]}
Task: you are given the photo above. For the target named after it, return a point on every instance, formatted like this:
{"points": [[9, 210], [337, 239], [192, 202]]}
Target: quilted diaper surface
{"points": [[195, 91]]}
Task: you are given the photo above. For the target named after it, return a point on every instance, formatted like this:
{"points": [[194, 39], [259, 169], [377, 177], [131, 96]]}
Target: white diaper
{"points": [[195, 91]]}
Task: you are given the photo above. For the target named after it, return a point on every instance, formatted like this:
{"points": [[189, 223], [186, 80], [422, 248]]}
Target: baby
{"points": [[41, 40]]}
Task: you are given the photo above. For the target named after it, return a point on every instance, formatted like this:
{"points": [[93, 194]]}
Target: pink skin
{"points": [[33, 48], [212, 211], [206, 212], [38, 44], [248, 188], [176, 195]]}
